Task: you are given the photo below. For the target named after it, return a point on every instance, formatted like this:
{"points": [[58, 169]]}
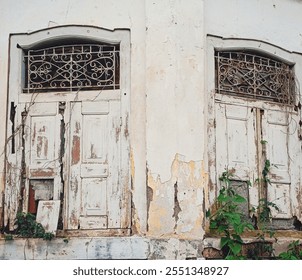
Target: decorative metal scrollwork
{"points": [[71, 68], [253, 76]]}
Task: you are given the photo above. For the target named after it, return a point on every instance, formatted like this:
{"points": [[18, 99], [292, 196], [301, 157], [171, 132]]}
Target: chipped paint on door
{"points": [[70, 145], [246, 136], [275, 126], [95, 188], [42, 145], [48, 214]]}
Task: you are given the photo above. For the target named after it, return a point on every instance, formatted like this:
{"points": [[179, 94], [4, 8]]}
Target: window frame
{"points": [[255, 65], [45, 68]]}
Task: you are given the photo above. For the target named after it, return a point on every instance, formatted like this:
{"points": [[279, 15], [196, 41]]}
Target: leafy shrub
{"points": [[294, 252], [29, 228], [229, 220]]}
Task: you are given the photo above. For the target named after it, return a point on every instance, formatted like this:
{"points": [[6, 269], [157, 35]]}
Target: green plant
{"points": [[265, 210], [294, 252], [228, 219], [28, 227], [48, 236], [8, 237]]}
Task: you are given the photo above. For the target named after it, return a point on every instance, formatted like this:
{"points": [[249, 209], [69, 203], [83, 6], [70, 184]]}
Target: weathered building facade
{"points": [[120, 116]]}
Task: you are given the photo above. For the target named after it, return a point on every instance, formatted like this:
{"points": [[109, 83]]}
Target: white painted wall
{"points": [[175, 79], [273, 21]]}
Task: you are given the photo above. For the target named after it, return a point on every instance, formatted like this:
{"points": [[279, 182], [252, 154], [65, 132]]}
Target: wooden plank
{"points": [[280, 195], [73, 195], [114, 194], [48, 214], [94, 197], [98, 222], [94, 170], [43, 109], [95, 108]]}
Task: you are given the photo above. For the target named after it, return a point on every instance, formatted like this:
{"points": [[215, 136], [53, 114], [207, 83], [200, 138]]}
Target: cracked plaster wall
{"points": [[177, 206], [175, 136]]}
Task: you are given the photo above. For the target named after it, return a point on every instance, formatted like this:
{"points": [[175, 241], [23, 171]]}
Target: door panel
{"points": [[42, 149], [239, 131], [95, 191], [280, 195], [275, 131], [42, 154], [95, 145], [235, 140]]}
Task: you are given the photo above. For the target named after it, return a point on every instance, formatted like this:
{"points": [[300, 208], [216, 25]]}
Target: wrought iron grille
{"points": [[72, 68], [253, 76]]}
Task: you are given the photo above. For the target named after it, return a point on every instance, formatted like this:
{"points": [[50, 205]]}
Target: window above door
{"points": [[255, 76], [72, 67]]}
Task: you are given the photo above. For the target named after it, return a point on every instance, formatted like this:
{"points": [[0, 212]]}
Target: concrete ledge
{"points": [[75, 248], [100, 248], [121, 248]]}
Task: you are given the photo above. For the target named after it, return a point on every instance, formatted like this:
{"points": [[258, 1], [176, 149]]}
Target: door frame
{"points": [[16, 97]]}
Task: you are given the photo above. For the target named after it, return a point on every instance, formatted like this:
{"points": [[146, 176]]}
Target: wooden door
{"points": [[235, 140], [96, 190], [275, 130], [42, 158], [245, 138]]}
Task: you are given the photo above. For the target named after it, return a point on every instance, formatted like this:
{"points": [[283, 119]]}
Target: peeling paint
{"points": [[117, 134], [126, 130], [177, 209], [42, 172], [76, 150]]}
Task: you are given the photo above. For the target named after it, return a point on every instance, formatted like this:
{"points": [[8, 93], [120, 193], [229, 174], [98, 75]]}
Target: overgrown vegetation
{"points": [[229, 221], [294, 252], [28, 227]]}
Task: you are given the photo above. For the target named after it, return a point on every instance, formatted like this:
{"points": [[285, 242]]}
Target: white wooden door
{"points": [[236, 149], [235, 140], [95, 191], [245, 138], [275, 130], [42, 145]]}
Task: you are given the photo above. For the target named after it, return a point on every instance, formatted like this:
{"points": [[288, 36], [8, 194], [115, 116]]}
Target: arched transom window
{"points": [[250, 75], [72, 67]]}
